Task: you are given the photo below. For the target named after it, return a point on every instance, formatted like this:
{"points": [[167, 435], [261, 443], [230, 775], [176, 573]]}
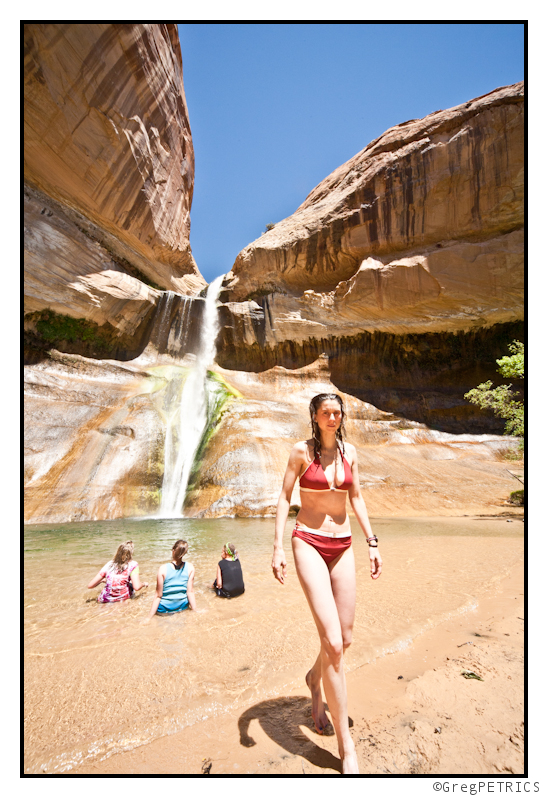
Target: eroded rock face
{"points": [[69, 273], [405, 468], [109, 170], [419, 232], [422, 377], [93, 440], [95, 432], [396, 284], [404, 266]]}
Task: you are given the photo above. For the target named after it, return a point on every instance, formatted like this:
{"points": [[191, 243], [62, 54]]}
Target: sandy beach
{"points": [[412, 712]]}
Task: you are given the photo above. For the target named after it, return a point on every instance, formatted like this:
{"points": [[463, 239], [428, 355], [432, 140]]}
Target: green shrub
{"points": [[502, 400], [518, 497], [57, 327]]}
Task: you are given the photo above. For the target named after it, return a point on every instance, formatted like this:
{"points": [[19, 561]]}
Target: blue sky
{"points": [[275, 108]]}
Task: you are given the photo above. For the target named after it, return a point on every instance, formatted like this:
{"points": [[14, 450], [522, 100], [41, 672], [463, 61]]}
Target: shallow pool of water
{"points": [[97, 680]]}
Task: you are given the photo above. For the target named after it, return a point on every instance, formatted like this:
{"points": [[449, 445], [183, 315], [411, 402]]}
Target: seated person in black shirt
{"points": [[230, 581]]}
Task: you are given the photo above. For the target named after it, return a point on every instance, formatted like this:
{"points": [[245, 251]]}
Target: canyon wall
{"points": [[109, 176], [406, 469], [398, 226], [93, 440], [397, 283], [95, 436], [405, 266]]}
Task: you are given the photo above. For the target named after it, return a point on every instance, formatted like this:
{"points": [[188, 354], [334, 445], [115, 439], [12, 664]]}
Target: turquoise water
{"points": [[98, 680]]}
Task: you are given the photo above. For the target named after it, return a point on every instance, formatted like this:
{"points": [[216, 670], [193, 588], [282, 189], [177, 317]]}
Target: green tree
{"points": [[502, 400]]}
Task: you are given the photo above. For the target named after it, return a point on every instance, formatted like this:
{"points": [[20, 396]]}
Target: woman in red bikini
{"points": [[327, 469]]}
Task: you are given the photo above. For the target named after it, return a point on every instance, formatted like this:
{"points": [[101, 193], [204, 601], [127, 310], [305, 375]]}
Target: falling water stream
{"points": [[188, 419]]}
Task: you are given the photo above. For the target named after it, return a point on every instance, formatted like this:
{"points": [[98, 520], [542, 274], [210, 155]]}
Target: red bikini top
{"points": [[314, 477]]}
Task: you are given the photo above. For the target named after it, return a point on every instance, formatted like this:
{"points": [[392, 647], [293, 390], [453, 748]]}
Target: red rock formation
{"points": [[404, 268], [94, 446], [406, 469], [109, 168], [421, 231], [93, 440]]}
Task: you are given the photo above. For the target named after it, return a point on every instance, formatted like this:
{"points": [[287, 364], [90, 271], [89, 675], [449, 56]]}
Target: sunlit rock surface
{"points": [[109, 170], [405, 266], [405, 468], [422, 231], [93, 440], [95, 432], [79, 278], [396, 284]]}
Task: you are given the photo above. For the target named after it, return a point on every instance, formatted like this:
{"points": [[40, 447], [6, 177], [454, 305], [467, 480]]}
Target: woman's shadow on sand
{"points": [[281, 719]]}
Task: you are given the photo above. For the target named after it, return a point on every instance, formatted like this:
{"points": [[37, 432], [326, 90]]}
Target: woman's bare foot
{"points": [[321, 721], [349, 761]]}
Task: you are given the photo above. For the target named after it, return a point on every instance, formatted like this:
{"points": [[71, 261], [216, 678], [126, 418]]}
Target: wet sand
{"points": [[431, 721]]}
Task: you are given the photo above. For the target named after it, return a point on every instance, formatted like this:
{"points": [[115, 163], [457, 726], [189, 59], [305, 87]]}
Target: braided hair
{"points": [[315, 402]]}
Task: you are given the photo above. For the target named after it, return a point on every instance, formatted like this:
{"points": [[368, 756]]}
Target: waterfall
{"points": [[170, 332], [188, 421]]}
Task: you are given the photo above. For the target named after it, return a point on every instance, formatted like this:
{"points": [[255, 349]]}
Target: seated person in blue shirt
{"points": [[174, 583]]}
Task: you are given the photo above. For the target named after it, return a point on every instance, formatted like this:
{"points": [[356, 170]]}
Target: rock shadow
{"points": [[281, 719]]}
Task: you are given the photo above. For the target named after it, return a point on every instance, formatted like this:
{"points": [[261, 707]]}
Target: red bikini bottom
{"points": [[328, 548]]}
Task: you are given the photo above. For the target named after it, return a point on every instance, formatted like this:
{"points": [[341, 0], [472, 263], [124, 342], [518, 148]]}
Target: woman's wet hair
{"points": [[179, 550], [123, 555], [315, 403], [230, 550]]}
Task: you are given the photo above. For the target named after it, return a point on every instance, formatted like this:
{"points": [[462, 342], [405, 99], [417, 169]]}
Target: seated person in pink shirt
{"points": [[121, 576]]}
